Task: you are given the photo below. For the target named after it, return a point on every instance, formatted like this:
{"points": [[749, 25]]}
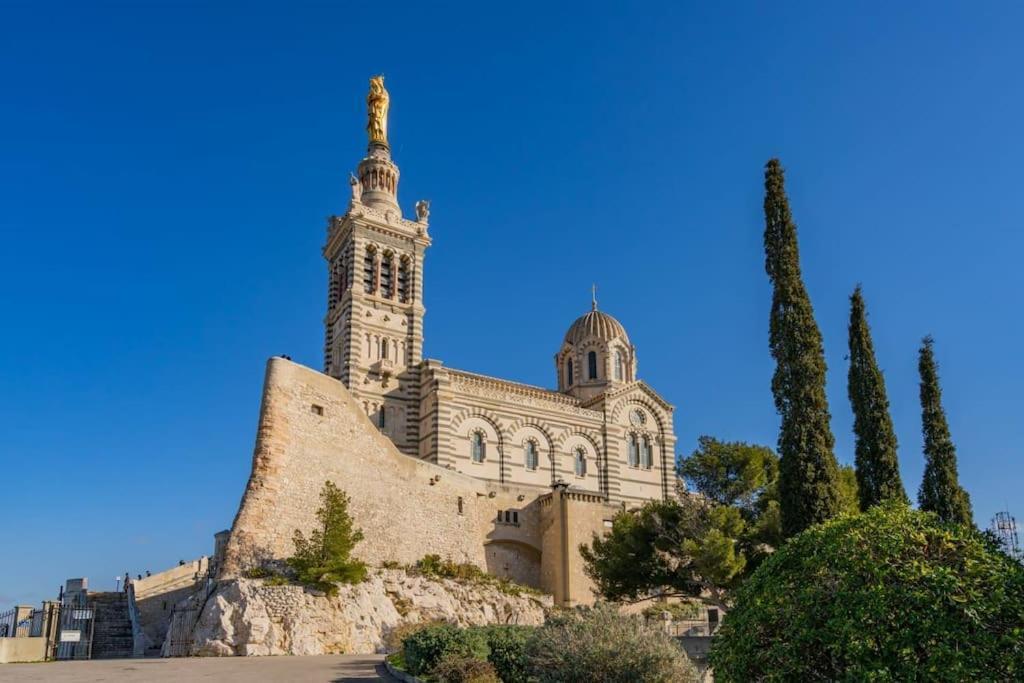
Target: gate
{"points": [[184, 617], [74, 636]]}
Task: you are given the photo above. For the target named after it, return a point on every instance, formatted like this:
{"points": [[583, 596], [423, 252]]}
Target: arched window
{"points": [[384, 348], [580, 462], [619, 366], [403, 279], [531, 455], [370, 270], [380, 417], [645, 453], [633, 457], [592, 365], [568, 373], [387, 281], [479, 447]]}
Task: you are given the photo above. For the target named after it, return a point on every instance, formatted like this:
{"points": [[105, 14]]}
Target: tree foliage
{"points": [[849, 498], [686, 547], [940, 491], [730, 473], [325, 558], [808, 472], [889, 595], [878, 471]]}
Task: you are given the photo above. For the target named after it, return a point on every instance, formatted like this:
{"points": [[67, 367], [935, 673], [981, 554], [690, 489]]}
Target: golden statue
{"points": [[377, 106]]}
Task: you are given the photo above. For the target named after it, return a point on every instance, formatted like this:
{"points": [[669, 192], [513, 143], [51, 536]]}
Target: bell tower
{"points": [[374, 324]]}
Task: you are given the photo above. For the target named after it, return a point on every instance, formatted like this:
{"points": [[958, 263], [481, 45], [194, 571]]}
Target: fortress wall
{"points": [[402, 514]]}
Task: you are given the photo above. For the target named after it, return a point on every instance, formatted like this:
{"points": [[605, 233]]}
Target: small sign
{"points": [[81, 614], [70, 636]]}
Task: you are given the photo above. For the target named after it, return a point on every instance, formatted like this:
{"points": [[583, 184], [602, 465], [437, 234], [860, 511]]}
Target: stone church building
{"points": [[507, 475]]}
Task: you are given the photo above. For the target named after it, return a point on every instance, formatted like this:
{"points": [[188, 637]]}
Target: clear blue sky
{"points": [[165, 173]]}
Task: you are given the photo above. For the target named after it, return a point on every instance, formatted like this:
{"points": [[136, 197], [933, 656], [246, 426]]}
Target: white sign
{"points": [[81, 614], [70, 636]]}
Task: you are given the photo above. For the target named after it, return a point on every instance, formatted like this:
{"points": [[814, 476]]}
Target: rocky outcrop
{"points": [[249, 617]]}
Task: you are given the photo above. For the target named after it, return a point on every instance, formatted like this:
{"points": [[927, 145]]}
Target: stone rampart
{"points": [[312, 430]]}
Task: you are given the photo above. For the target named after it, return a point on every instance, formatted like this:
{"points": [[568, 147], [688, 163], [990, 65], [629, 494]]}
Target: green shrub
{"points": [[394, 638], [426, 647], [889, 595], [508, 650], [599, 644], [457, 668], [325, 558]]}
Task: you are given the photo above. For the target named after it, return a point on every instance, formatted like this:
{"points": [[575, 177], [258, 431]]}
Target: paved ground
{"points": [[328, 668]]}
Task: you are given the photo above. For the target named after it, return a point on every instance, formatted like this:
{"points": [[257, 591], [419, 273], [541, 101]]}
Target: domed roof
{"points": [[595, 323]]}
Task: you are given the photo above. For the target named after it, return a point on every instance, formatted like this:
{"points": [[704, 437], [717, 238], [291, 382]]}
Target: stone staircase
{"points": [[112, 633]]}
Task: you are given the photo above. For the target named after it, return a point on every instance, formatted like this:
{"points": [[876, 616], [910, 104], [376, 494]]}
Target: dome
{"points": [[596, 324]]}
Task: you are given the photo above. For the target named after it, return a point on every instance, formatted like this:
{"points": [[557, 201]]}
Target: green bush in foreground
{"points": [[425, 648], [599, 644], [456, 668], [889, 595], [508, 650]]}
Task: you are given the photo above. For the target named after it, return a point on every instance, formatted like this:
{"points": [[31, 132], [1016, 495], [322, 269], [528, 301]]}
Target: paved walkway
{"points": [[326, 669]]}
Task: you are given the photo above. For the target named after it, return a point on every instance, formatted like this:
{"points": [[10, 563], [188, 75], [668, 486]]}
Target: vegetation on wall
{"points": [[892, 594], [325, 558], [940, 491], [467, 572], [808, 473], [878, 469]]}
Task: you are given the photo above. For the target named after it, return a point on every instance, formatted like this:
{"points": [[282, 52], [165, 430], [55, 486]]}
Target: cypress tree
{"points": [[940, 492], [808, 473], [878, 471]]}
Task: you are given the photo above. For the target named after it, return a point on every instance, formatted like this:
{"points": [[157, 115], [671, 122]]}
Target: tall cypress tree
{"points": [[878, 471], [940, 492], [808, 473]]}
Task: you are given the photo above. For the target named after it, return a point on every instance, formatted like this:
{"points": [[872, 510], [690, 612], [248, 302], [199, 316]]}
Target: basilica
{"points": [[601, 430]]}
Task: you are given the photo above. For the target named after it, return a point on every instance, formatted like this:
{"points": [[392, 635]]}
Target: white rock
{"points": [[247, 617]]}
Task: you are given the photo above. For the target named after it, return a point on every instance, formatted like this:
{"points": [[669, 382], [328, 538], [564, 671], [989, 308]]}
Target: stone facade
{"points": [[312, 430]]}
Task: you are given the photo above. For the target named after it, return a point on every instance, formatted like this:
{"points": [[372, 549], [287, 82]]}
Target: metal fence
{"points": [[184, 617]]}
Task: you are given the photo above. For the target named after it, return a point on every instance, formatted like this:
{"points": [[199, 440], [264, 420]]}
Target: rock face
{"points": [[248, 617]]}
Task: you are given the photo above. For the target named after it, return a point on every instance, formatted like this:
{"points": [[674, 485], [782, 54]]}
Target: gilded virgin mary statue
{"points": [[377, 107]]}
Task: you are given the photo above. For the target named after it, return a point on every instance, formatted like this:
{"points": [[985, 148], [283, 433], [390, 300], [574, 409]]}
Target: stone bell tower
{"points": [[374, 323]]}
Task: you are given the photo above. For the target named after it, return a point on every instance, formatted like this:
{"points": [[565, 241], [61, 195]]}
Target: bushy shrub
{"points": [[890, 595], [394, 639], [325, 558], [426, 647], [456, 668], [599, 644], [507, 644]]}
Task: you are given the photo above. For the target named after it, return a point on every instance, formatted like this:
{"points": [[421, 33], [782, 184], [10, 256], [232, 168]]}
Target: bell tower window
{"points": [[568, 373], [403, 280], [370, 270], [592, 365], [619, 364], [387, 282]]}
